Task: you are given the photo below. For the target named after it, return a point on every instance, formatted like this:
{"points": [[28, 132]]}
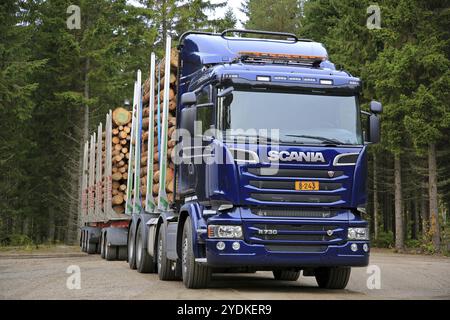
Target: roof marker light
{"points": [[309, 79], [280, 78], [326, 81], [295, 78], [262, 78], [354, 82]]}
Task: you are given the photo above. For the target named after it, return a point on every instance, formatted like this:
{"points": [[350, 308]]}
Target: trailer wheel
{"points": [[332, 278], [110, 253], [144, 262], [165, 270], [195, 276], [286, 275], [102, 246], [91, 247], [131, 247], [83, 243], [122, 253]]}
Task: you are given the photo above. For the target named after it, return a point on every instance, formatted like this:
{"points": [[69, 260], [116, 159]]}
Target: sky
{"points": [[235, 5]]}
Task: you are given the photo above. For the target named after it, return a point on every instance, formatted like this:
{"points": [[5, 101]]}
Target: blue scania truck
{"points": [[272, 164]]}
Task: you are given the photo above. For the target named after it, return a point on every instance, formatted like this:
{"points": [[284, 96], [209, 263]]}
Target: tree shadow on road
{"points": [[261, 283]]}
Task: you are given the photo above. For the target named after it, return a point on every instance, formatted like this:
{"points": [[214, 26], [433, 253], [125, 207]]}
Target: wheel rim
{"points": [[138, 250], [130, 247], [184, 255], [159, 254]]}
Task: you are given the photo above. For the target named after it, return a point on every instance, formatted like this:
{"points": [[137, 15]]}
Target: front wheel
{"points": [[195, 275], [286, 275], [332, 278]]}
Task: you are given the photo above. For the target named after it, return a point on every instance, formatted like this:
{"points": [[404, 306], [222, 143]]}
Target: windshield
{"points": [[300, 118]]}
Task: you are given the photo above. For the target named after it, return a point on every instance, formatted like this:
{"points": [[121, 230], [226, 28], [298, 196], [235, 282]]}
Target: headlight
{"points": [[358, 234], [222, 231]]}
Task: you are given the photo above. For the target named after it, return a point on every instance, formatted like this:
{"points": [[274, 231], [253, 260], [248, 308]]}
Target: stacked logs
{"points": [[169, 185], [121, 136]]}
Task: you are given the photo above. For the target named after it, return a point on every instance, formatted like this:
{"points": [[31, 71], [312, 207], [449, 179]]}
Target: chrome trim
{"points": [[252, 153], [339, 156]]}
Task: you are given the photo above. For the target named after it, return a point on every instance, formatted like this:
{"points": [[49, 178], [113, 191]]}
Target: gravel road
{"points": [[43, 276]]}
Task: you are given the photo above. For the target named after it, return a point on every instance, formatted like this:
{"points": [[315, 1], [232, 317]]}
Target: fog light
{"points": [[220, 245], [236, 246], [354, 247], [365, 247]]}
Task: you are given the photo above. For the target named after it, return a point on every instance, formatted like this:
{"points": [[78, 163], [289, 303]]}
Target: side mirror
{"points": [[188, 98], [225, 92], [376, 107], [374, 129]]}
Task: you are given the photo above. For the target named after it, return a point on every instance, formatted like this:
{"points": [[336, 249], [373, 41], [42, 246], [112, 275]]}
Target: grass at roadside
{"points": [[38, 249]]}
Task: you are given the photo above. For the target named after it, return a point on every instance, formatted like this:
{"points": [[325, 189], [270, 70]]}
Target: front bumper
{"points": [[254, 255]]}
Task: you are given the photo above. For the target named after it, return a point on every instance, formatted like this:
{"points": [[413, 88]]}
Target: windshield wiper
{"points": [[255, 136], [322, 139]]}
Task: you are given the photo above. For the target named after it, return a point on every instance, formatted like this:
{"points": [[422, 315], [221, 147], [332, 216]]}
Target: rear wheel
{"points": [[122, 253], [91, 248], [144, 262], [102, 246], [286, 275], [110, 251], [332, 278], [83, 243], [195, 275], [165, 269], [131, 247]]}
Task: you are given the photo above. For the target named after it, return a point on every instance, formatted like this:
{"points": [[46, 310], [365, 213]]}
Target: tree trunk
{"points": [[51, 225], [375, 197], [399, 243], [432, 190], [423, 212], [416, 217]]}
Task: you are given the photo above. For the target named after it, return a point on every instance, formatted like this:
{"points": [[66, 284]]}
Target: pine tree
{"points": [[281, 15]]}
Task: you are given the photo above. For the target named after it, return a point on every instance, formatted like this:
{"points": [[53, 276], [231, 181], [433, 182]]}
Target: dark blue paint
{"points": [[228, 182]]}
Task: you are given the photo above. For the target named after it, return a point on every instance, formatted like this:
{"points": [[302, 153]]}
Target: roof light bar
{"points": [[263, 78], [326, 81], [280, 58]]}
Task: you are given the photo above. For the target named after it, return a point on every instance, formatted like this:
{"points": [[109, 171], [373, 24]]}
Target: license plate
{"points": [[307, 185]]}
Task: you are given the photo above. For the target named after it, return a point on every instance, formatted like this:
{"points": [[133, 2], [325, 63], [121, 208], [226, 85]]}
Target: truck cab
{"points": [[271, 161]]}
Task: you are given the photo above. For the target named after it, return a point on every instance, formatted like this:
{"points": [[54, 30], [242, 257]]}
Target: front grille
{"points": [[290, 185], [295, 248], [295, 213], [292, 197], [304, 173], [279, 185], [291, 234]]}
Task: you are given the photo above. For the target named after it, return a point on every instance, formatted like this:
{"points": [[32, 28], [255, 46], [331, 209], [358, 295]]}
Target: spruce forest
{"points": [[57, 84]]}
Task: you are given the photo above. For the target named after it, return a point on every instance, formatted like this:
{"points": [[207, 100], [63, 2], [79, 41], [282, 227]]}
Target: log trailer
{"points": [[270, 165]]}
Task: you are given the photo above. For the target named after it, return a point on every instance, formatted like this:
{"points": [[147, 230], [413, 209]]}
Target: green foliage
{"points": [[281, 15], [384, 240]]}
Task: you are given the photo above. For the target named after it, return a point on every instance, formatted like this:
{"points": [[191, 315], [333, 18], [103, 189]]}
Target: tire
{"points": [[195, 276], [164, 265], [286, 275], [144, 262], [83, 243], [102, 246], [122, 253], [131, 243], [332, 278], [91, 247], [110, 251]]}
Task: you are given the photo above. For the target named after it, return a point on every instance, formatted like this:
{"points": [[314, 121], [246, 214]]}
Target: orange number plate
{"points": [[307, 185]]}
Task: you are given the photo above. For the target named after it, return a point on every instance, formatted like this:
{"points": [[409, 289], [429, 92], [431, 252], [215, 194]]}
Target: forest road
{"points": [[401, 276]]}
